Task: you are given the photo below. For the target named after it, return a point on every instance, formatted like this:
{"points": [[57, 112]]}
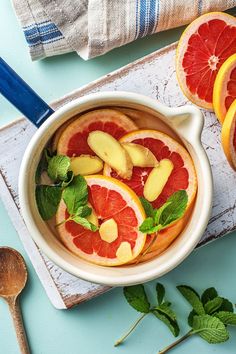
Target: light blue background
{"points": [[93, 327]]}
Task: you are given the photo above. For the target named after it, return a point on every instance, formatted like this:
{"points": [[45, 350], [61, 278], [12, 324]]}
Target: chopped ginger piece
{"points": [[111, 152], [108, 230], [140, 155], [157, 179], [86, 165]]}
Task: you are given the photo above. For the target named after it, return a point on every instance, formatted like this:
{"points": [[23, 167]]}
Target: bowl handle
{"points": [[188, 121], [21, 95]]}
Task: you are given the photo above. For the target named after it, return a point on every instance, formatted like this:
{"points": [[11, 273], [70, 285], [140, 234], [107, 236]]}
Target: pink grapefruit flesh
{"points": [[183, 176], [110, 199], [203, 47], [73, 140]]}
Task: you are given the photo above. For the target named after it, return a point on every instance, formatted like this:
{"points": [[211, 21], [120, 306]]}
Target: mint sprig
{"points": [[207, 319], [137, 298], [75, 196], [159, 219], [73, 190]]}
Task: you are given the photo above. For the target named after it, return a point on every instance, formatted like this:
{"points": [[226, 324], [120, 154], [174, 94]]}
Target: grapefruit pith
{"points": [[203, 47], [228, 135], [114, 201], [224, 92], [163, 147], [73, 140]]}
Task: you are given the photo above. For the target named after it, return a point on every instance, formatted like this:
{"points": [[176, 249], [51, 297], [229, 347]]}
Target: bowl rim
{"points": [[193, 138]]}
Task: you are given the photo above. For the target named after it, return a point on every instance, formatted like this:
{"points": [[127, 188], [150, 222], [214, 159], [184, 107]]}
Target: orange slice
{"points": [[203, 47], [114, 201], [224, 92], [228, 135]]}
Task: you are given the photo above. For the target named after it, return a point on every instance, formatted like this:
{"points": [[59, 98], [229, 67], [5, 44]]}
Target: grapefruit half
{"points": [[203, 47], [73, 140], [228, 135], [110, 199], [224, 92], [182, 177]]}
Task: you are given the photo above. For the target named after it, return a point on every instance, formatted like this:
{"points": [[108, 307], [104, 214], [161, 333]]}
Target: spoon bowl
{"points": [[13, 272], [13, 277]]}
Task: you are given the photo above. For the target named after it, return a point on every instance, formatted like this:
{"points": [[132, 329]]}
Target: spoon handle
{"points": [[15, 310]]}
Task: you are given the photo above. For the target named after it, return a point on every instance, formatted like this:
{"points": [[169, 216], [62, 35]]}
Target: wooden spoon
{"points": [[13, 277]]}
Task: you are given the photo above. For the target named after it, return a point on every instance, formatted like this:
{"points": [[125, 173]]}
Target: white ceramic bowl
{"points": [[187, 122]]}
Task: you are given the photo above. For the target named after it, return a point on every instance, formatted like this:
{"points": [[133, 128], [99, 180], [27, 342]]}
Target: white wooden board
{"points": [[153, 76]]}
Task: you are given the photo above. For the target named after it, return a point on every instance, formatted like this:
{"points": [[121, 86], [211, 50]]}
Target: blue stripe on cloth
{"points": [[147, 15], [42, 33], [199, 7], [137, 17], [152, 16], [44, 38], [142, 17], [50, 27], [35, 24]]}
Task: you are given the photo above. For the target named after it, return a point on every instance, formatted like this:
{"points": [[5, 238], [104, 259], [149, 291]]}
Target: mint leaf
{"points": [[166, 310], [58, 166], [137, 298], [213, 305], [42, 166], [147, 225], [85, 223], [68, 180], [176, 208], [147, 207], [76, 194], [208, 294], [190, 317], [228, 318], [47, 199], [210, 329], [172, 325], [160, 293], [84, 211], [226, 306], [192, 297], [158, 212]]}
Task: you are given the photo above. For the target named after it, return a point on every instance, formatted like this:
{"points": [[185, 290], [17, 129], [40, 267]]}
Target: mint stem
{"points": [[148, 248], [171, 346], [122, 339], [63, 222]]}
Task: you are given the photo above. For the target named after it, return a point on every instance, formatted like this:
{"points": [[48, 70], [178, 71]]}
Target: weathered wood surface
{"points": [[153, 76]]}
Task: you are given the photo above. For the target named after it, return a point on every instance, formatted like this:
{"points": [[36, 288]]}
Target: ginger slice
{"points": [[86, 165], [157, 179], [124, 252], [93, 217], [108, 230], [140, 155], [111, 152]]}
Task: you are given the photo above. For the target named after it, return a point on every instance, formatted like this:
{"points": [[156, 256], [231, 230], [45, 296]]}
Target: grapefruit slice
{"points": [[73, 140], [114, 204], [165, 238], [203, 47], [163, 147], [224, 92], [228, 135]]}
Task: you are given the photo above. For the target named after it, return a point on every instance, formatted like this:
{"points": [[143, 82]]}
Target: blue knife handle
{"points": [[21, 95]]}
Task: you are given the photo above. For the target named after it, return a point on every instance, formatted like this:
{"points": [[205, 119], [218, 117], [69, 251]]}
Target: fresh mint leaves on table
{"points": [[73, 190], [137, 298], [159, 219], [209, 318]]}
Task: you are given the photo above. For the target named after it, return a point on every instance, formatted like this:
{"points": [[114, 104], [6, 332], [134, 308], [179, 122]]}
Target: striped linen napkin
{"points": [[93, 27]]}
